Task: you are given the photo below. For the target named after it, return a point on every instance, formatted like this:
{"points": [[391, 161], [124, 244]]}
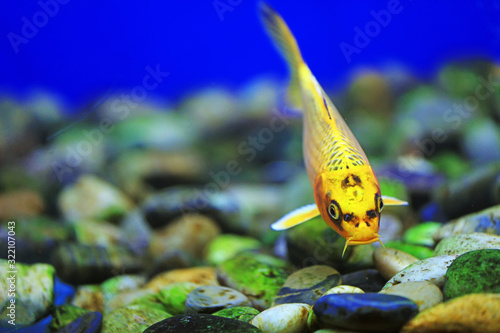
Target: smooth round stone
{"points": [[201, 323], [421, 234], [133, 318], [344, 289], [391, 261], [365, 312], [462, 243], [473, 272], [64, 315], [290, 318], [174, 296], [227, 246], [258, 276], [93, 198], [208, 299], [99, 233], [368, 280], [476, 313], [89, 297], [486, 221], [418, 251], [198, 275], [190, 233], [83, 264], [114, 287], [243, 313], [308, 284], [361, 257], [423, 293], [430, 269]]}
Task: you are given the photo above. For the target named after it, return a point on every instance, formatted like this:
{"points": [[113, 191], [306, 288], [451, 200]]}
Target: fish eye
{"points": [[334, 211], [347, 217], [380, 203]]}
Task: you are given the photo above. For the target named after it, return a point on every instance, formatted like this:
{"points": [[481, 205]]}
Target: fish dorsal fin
{"points": [[287, 45], [390, 201], [295, 217]]}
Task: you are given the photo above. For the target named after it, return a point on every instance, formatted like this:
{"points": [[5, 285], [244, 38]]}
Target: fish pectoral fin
{"points": [[295, 217], [390, 201]]}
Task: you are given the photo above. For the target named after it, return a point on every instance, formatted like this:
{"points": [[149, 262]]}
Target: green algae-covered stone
{"points": [[112, 287], [34, 291], [418, 251], [258, 276], [461, 243], [134, 318], [473, 272], [315, 243], [150, 301], [65, 314], [308, 284], [201, 323], [174, 296], [421, 234], [243, 313], [227, 245], [361, 257]]}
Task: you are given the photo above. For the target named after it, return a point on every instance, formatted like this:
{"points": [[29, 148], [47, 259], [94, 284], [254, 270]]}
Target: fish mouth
{"points": [[351, 241]]}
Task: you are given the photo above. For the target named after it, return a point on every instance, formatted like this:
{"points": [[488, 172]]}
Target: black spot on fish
{"points": [[351, 180], [367, 224]]}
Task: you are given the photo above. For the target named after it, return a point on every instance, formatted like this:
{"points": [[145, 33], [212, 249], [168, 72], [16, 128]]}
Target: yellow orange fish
{"points": [[346, 190]]}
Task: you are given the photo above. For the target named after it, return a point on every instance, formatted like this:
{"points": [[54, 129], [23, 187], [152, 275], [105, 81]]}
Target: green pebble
{"points": [[227, 246], [258, 276], [421, 234], [243, 313], [418, 251], [174, 296], [151, 302], [65, 314], [134, 318], [473, 272]]}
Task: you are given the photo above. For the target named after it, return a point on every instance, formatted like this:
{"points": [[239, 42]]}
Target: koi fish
{"points": [[346, 190]]}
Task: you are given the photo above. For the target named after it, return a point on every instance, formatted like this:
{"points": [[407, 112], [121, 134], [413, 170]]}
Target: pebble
{"points": [[461, 243], [473, 272], [423, 293], [418, 251], [431, 269], [20, 203], [198, 275], [260, 281], [201, 323], [226, 246], [361, 257], [83, 264], [474, 313], [243, 313], [486, 221], [65, 314], [421, 234], [391, 261], [34, 292], [113, 289], [344, 289], [93, 198], [368, 280], [99, 233], [190, 233], [365, 312], [209, 299], [283, 318], [89, 297], [307, 285], [173, 296], [133, 318]]}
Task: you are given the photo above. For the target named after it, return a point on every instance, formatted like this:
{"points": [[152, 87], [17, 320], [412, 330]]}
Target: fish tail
{"points": [[287, 45]]}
